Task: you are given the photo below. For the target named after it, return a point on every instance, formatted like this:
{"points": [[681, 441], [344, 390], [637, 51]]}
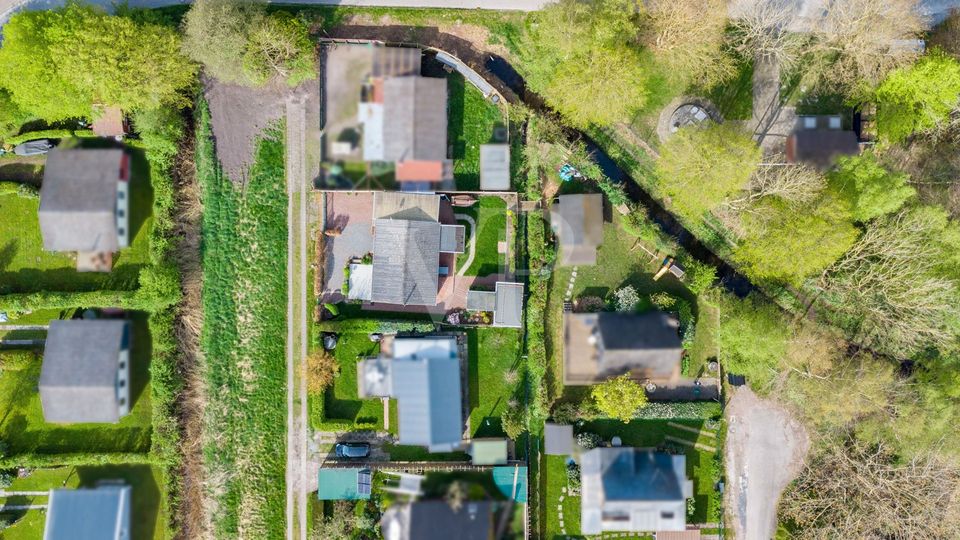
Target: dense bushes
{"points": [[376, 326], [16, 360]]}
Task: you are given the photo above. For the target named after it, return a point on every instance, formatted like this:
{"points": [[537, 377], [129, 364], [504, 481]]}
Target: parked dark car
{"points": [[354, 450]]}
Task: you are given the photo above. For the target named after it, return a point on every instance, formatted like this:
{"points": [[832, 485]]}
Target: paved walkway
{"points": [[772, 122], [471, 245]]}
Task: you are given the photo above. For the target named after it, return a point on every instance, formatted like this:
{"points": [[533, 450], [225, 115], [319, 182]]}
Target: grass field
{"points": [[470, 124], [494, 355], [555, 473], [23, 428], [148, 512], [244, 301], [26, 267], [491, 218]]}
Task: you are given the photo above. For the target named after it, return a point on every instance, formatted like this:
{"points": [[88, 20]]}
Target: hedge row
{"points": [[33, 460], [159, 289], [687, 410]]}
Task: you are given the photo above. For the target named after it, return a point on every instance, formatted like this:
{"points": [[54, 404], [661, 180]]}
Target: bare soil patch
{"points": [[765, 450], [239, 115]]}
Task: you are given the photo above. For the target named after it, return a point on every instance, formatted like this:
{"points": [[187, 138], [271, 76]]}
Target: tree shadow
{"points": [[473, 351], [140, 355], [141, 192], [455, 117], [7, 253]]}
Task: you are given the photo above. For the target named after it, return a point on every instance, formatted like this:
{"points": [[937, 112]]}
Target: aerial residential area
{"points": [[479, 270]]}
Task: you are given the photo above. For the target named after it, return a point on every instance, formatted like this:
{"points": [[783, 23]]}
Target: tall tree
{"points": [[787, 244], [917, 98], [699, 167], [583, 58], [57, 64], [619, 397], [239, 42], [686, 36], [869, 188]]}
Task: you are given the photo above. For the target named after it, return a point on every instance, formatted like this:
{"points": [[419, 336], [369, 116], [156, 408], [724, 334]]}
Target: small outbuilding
{"points": [[85, 376], [577, 220], [488, 451], [558, 439], [505, 302], [495, 167], [351, 484], [819, 140], [102, 513]]}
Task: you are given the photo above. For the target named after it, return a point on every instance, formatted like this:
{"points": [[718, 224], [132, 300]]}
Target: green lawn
{"points": [[23, 428], [704, 346], [555, 474], [491, 218], [26, 267], [341, 401], [244, 255], [149, 512], [494, 355], [400, 452], [470, 124]]}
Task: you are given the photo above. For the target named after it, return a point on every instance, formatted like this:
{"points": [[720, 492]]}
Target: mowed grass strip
{"points": [[470, 124], [244, 301], [494, 376], [490, 215]]}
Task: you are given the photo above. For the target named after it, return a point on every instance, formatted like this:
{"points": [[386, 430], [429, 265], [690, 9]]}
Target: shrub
{"points": [[687, 410], [691, 507], [588, 440], [513, 422], [589, 304], [566, 413], [16, 360], [322, 367], [375, 326], [663, 300], [699, 276], [619, 398], [626, 299], [573, 478]]}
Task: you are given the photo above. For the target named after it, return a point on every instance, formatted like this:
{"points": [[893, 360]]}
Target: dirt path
{"points": [[297, 225], [764, 451]]}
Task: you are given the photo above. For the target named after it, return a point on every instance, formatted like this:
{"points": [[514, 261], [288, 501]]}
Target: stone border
{"points": [[663, 124]]}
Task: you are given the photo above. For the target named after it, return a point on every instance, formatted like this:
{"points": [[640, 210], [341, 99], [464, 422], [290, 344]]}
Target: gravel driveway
{"points": [[765, 450]]}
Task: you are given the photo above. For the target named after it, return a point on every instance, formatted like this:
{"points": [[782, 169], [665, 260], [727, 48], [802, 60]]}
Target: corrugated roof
{"points": [[426, 384], [78, 200], [343, 484], [495, 167], [415, 119], [578, 222], [88, 514], [78, 378]]}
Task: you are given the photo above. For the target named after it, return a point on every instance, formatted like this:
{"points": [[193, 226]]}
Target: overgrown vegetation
{"points": [[244, 259]]}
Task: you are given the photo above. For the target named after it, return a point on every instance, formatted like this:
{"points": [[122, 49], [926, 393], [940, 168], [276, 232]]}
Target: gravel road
{"points": [[765, 450]]}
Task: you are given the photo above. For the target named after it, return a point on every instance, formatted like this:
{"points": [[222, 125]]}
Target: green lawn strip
{"points": [[704, 346], [491, 218], [471, 121], [555, 471], [244, 300], [650, 433], [493, 355], [24, 429], [399, 452], [149, 512]]}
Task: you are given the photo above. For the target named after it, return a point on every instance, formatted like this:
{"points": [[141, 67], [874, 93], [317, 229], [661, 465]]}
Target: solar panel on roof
{"points": [[363, 482]]}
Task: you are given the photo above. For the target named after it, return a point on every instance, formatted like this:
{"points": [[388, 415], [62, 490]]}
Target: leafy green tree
{"points": [[583, 58], [918, 97], [869, 188], [619, 397], [787, 244], [699, 167], [58, 63], [11, 116], [239, 42], [753, 337]]}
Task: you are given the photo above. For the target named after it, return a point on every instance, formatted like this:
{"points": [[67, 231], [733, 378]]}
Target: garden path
{"points": [[472, 244]]}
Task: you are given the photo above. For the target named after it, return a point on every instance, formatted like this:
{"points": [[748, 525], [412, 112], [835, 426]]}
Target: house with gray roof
{"points": [[408, 240], [505, 302], [84, 200], [424, 375], [598, 346], [101, 513], [819, 140], [437, 520], [633, 490], [85, 376], [577, 220]]}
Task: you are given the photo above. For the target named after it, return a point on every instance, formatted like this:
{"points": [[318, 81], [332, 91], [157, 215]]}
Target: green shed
{"points": [[344, 484]]}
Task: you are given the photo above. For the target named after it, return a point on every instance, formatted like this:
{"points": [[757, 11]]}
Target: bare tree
{"points": [[689, 34], [794, 184], [851, 490], [885, 282], [861, 40], [764, 30]]}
